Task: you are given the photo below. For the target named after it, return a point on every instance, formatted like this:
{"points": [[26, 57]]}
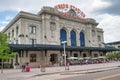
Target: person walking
{"points": [[27, 67], [23, 67], [67, 65]]}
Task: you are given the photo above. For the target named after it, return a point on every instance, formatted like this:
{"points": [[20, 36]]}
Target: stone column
{"points": [[43, 63], [78, 37], [68, 37]]}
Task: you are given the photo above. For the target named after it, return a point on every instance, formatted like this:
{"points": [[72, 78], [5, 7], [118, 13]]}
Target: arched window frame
{"points": [[73, 38], [82, 39], [63, 35]]}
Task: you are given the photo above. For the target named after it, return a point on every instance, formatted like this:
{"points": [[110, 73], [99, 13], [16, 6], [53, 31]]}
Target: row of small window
{"points": [[32, 41], [32, 30], [99, 38], [13, 31]]}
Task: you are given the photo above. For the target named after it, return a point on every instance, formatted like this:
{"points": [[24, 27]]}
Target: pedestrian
{"points": [[27, 69], [23, 67], [67, 65]]}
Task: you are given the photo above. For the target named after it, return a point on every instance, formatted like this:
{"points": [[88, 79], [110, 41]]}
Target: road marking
{"points": [[107, 77]]}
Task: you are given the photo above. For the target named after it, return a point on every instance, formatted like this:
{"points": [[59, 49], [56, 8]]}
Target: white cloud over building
{"points": [[97, 9]]}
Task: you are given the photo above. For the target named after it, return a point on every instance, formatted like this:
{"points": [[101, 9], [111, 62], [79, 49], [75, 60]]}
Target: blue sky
{"points": [[105, 12], [6, 17]]}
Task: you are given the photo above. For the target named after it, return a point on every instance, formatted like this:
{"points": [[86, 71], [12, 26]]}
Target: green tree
{"points": [[5, 52], [113, 55], [117, 54]]}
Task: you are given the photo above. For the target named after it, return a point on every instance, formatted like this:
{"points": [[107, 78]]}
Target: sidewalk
{"points": [[16, 74]]}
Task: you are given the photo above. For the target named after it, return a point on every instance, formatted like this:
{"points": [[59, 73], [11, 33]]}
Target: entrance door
{"points": [[54, 58], [84, 55], [75, 55]]}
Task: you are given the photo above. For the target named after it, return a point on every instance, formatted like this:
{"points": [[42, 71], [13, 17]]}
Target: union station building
{"points": [[37, 38]]}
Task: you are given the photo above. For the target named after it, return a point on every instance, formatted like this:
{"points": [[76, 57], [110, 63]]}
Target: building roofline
{"points": [[21, 14], [53, 11], [100, 30], [49, 10], [111, 43]]}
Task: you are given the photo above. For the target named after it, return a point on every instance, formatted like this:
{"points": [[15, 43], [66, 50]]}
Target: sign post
{"points": [[64, 42]]}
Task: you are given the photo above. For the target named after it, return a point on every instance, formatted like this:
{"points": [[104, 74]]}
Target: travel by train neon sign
{"points": [[70, 11]]}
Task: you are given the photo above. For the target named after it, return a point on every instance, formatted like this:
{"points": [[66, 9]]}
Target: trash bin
{"points": [[43, 69]]}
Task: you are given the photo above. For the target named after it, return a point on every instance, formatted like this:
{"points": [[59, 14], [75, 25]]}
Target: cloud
{"points": [[29, 5], [99, 4], [92, 8], [110, 25], [25, 5], [8, 18], [113, 8], [1, 28], [35, 5], [4, 22]]}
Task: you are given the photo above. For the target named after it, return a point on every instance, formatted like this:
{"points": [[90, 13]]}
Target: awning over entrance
{"points": [[39, 47]]}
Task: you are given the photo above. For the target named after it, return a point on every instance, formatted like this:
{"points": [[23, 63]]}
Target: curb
{"points": [[82, 71], [88, 71]]}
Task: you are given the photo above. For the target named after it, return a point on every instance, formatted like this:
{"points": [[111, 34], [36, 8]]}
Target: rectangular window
{"points": [[16, 41], [16, 30], [12, 33], [33, 41], [75, 55], [99, 38], [32, 57], [33, 29]]}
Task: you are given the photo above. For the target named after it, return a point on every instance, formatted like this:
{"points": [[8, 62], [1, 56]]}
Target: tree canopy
{"points": [[113, 55], [5, 52]]}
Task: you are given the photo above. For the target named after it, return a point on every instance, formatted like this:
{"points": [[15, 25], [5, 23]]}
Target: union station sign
{"points": [[70, 11]]}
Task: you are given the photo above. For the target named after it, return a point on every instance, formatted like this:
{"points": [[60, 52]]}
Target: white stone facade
{"points": [[44, 28]]}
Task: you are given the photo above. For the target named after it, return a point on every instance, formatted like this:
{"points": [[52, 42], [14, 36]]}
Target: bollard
{"points": [[43, 68]]}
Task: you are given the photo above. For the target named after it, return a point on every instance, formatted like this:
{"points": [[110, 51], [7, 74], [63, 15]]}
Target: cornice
{"points": [[24, 15], [52, 11], [48, 10]]}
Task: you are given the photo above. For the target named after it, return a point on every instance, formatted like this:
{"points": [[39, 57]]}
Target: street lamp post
{"points": [[64, 42]]}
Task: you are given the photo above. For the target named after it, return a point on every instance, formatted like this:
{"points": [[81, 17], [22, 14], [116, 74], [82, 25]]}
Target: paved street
{"points": [[104, 75], [36, 74]]}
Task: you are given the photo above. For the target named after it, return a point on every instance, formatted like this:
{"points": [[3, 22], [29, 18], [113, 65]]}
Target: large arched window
{"points": [[63, 35], [73, 38], [82, 39]]}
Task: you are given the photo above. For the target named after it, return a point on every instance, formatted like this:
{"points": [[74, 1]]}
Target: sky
{"points": [[105, 12]]}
